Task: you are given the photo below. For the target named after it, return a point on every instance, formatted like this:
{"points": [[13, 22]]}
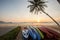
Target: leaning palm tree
{"points": [[39, 6]]}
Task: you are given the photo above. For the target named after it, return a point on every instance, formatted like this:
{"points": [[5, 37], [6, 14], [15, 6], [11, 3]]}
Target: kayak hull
{"points": [[37, 34], [47, 34], [56, 34], [40, 33], [32, 34]]}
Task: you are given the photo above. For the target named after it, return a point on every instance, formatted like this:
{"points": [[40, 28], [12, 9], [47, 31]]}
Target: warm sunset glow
{"points": [[11, 11], [38, 20]]}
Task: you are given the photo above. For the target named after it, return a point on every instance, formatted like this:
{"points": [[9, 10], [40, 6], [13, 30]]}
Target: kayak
{"points": [[37, 34], [56, 34], [40, 33], [32, 34], [25, 34], [48, 35]]}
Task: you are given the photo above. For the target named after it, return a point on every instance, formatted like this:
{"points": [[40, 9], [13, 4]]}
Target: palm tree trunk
{"points": [[51, 18]]}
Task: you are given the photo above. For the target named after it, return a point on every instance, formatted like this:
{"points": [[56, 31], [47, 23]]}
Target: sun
{"points": [[38, 20]]}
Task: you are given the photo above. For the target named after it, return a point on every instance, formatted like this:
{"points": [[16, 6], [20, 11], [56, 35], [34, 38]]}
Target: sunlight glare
{"points": [[38, 20]]}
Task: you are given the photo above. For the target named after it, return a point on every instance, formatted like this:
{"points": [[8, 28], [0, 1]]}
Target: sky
{"points": [[17, 11]]}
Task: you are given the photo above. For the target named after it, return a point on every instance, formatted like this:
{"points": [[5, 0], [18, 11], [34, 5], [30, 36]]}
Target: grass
{"points": [[11, 35]]}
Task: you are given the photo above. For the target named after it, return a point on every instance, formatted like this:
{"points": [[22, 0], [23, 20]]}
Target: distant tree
{"points": [[39, 6]]}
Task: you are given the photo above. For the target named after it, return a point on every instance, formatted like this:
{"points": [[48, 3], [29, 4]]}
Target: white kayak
{"points": [[25, 33]]}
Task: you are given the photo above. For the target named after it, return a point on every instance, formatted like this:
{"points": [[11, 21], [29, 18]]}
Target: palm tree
{"points": [[39, 6]]}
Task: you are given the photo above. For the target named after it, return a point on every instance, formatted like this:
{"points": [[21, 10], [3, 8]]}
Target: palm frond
{"points": [[36, 10], [43, 5], [29, 6], [32, 9], [36, 0], [32, 2], [37, 5]]}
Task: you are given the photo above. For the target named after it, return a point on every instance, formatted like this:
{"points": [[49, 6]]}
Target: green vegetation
{"points": [[11, 35]]}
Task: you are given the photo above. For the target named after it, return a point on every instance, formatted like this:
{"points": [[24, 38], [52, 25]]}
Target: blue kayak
{"points": [[32, 34], [37, 34]]}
